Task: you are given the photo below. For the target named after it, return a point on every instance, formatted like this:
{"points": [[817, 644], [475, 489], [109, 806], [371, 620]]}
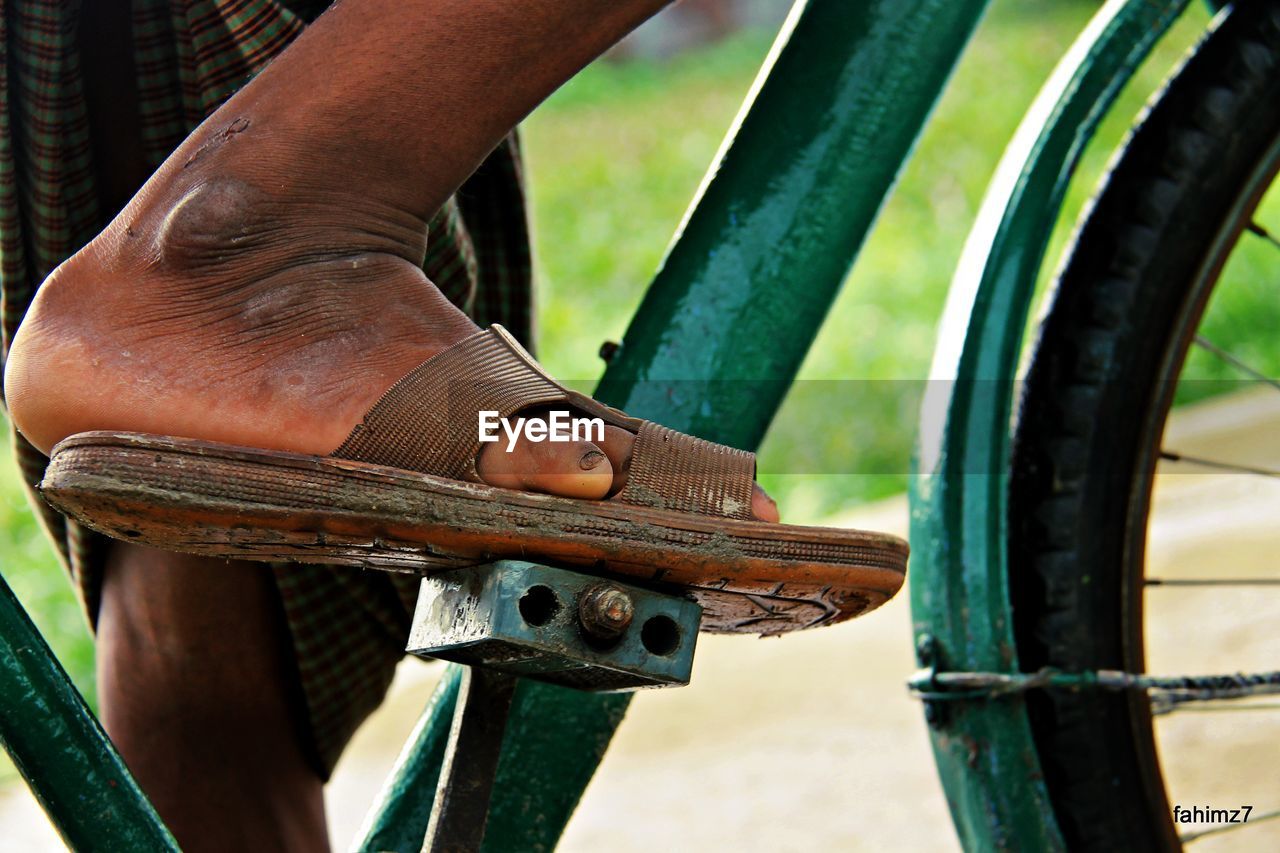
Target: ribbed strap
{"points": [[671, 470], [428, 421]]}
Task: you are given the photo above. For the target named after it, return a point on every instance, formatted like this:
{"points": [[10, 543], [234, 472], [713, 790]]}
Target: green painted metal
{"points": [[959, 590], [399, 822], [550, 753], [547, 761], [62, 752], [480, 616], [736, 304], [554, 741], [780, 218]]}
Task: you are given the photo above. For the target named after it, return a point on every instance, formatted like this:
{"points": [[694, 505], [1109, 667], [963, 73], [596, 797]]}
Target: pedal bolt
{"points": [[605, 611]]}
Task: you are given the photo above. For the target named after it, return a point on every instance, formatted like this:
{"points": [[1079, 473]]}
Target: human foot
{"points": [[216, 317], [402, 493], [263, 287]]}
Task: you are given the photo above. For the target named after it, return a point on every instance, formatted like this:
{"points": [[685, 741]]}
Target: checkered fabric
{"points": [[348, 627]]}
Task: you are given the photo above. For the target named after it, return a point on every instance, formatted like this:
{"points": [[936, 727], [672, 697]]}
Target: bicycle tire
{"points": [[1092, 410]]}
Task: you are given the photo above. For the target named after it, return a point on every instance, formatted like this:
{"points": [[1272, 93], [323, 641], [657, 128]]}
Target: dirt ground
{"points": [[810, 742]]}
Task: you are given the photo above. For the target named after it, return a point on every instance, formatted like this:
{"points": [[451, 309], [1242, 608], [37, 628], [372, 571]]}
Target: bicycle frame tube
{"points": [[959, 581], [416, 770], [784, 211], [735, 305], [62, 752]]}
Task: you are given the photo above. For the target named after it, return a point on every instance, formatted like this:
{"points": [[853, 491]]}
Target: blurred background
{"points": [[821, 724]]}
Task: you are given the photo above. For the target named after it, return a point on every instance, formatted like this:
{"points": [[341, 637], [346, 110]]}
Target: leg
{"points": [[199, 693], [286, 232], [263, 288], [196, 682]]}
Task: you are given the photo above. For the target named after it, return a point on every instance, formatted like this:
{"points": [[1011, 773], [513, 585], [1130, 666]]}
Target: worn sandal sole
{"points": [[219, 500]]}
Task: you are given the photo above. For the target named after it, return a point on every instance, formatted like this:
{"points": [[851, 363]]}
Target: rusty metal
{"points": [[933, 685], [524, 619], [461, 811], [514, 618], [605, 611]]}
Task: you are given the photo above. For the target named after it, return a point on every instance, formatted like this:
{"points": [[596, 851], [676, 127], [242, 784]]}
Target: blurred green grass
{"points": [[614, 158]]}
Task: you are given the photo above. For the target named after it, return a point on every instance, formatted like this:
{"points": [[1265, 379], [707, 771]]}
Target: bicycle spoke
{"points": [[1170, 456], [1257, 230], [1226, 827], [1211, 581], [1209, 346], [1160, 709]]}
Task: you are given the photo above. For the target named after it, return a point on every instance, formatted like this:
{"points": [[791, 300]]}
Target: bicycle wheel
{"points": [[1098, 391]]}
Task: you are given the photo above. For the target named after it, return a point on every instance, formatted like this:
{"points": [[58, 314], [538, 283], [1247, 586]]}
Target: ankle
{"points": [[217, 213], [221, 319]]}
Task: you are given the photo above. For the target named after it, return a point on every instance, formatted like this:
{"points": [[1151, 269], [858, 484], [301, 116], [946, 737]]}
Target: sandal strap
{"points": [[427, 422], [671, 470]]}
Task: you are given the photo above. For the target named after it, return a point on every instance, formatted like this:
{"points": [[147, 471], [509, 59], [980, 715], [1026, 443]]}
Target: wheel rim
{"points": [[1205, 283]]}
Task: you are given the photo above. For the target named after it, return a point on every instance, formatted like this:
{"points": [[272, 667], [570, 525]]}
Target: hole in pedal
{"points": [[660, 635], [539, 605]]}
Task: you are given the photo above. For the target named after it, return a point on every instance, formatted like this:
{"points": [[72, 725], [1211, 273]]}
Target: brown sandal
{"points": [[402, 494]]}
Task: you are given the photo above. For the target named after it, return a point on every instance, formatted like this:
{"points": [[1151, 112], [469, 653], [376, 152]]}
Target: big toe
{"points": [[577, 469], [570, 469], [763, 507]]}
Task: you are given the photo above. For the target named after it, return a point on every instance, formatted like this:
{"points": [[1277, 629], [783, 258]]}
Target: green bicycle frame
{"points": [[736, 304]]}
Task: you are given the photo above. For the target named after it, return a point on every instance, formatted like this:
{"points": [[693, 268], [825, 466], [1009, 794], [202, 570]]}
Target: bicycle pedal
{"points": [[556, 626]]}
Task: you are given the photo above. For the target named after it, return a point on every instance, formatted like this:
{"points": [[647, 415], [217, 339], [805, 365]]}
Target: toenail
{"points": [[591, 459]]}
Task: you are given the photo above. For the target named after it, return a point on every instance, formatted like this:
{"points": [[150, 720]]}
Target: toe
{"points": [[573, 469], [577, 469], [763, 507]]}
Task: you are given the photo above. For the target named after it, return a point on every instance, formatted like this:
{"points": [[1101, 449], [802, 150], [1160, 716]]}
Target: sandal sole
{"points": [[220, 500]]}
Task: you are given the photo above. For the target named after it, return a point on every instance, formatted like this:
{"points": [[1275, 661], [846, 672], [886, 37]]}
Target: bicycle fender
{"points": [[959, 575]]}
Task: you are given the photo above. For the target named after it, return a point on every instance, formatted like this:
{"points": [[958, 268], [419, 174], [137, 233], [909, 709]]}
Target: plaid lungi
{"points": [[348, 627]]}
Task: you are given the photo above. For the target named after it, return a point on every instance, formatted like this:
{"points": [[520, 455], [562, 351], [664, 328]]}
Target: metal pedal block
{"points": [[556, 626]]}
